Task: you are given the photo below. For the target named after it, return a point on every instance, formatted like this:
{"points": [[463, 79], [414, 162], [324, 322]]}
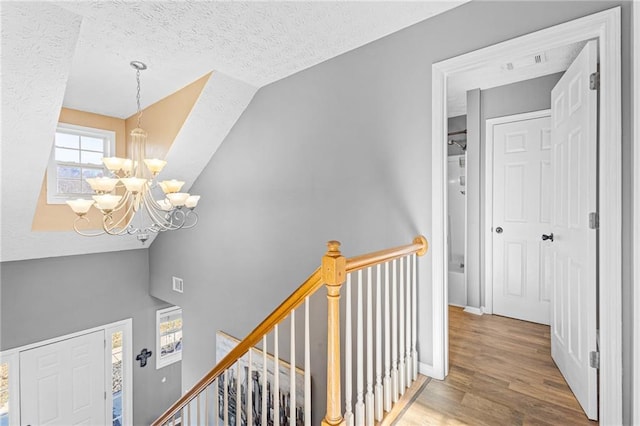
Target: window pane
{"points": [[92, 144], [69, 186], [86, 188], [69, 172], [68, 141], [4, 394], [67, 155], [91, 157], [92, 173]]}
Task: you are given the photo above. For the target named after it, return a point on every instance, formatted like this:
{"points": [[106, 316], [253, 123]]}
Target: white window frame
{"points": [[164, 360], [53, 197]]}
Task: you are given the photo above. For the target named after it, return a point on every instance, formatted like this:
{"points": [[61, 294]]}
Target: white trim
{"points": [[485, 310], [473, 310], [636, 212], [13, 357], [429, 371], [605, 26], [488, 191]]}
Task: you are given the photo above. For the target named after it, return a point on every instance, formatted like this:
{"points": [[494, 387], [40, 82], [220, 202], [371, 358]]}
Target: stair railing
{"points": [[400, 351]]}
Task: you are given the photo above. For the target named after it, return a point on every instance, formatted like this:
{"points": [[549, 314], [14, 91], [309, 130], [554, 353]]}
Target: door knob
{"points": [[499, 230], [546, 237]]}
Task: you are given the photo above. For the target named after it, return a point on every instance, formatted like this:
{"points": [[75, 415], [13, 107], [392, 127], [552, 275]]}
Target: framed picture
{"points": [[224, 344], [168, 336]]}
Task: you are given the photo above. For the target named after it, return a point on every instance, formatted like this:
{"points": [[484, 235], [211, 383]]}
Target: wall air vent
{"points": [[178, 285], [525, 61]]}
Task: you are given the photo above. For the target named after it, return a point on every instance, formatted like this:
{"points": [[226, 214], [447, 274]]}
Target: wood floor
{"points": [[501, 373]]}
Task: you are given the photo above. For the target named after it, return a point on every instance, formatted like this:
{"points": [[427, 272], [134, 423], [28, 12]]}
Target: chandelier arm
{"points": [[109, 229], [190, 214], [162, 223], [85, 234]]}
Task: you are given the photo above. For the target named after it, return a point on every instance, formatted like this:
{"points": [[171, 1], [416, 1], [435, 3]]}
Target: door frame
{"points": [[636, 207], [488, 190], [605, 27], [12, 358]]}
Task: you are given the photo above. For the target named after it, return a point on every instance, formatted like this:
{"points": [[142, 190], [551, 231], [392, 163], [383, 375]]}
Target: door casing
{"points": [[605, 27]]}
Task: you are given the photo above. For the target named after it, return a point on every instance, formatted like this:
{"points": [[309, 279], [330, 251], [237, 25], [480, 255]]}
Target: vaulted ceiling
{"points": [[76, 54]]}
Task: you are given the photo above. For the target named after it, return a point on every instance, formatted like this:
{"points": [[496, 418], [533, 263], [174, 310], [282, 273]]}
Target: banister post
{"points": [[334, 268]]}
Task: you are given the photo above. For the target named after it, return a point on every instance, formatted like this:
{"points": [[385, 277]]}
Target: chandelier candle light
{"points": [[174, 211]]}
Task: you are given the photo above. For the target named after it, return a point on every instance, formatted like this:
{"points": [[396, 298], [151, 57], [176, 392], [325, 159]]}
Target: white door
{"points": [[574, 141], [63, 383], [521, 214]]}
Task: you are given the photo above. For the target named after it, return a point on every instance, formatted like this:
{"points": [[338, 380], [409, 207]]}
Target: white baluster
{"points": [[265, 416], [409, 362], [188, 420], [386, 383], [414, 322], [292, 371], [359, 358], [198, 409], [216, 395], [307, 366], [226, 398], [276, 379], [206, 405], [394, 333], [369, 401], [249, 390], [378, 389], [238, 394], [402, 374], [348, 356]]}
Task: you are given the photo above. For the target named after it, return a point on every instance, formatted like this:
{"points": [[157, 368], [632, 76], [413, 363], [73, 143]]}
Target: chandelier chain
{"points": [[138, 97]]}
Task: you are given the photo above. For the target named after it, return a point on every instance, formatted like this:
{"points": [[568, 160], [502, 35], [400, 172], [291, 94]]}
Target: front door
{"points": [[574, 140], [63, 383], [521, 213]]}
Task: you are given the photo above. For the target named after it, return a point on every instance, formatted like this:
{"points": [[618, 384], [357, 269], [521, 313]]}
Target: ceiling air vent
{"points": [[178, 285]]}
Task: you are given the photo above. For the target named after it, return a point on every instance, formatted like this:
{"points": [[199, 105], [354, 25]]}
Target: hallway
{"points": [[501, 373]]}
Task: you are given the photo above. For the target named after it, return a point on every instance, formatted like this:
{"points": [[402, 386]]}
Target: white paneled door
{"points": [[522, 187], [63, 383], [573, 250]]}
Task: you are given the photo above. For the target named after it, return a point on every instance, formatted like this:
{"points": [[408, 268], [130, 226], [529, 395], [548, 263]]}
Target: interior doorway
{"points": [[602, 26]]}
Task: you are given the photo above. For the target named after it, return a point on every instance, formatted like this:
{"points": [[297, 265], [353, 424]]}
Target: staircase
{"points": [[381, 288]]}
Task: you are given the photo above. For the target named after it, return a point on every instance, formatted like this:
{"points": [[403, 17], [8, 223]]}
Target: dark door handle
{"points": [[546, 237], [499, 230]]}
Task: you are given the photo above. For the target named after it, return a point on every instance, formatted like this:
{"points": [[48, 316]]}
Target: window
{"points": [[116, 377], [76, 155], [168, 336], [4, 394]]}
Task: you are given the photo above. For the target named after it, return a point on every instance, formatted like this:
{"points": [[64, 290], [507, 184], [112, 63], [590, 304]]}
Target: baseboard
{"points": [[429, 371], [456, 305], [485, 310], [473, 310]]}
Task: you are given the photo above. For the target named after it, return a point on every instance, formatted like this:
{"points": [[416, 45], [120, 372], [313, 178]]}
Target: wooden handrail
{"points": [[316, 280], [419, 246]]}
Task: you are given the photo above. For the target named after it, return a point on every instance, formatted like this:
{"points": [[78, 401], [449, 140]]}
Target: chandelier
{"points": [[126, 195]]}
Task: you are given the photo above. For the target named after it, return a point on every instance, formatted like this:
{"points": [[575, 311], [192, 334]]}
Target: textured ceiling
{"points": [[77, 54], [495, 74], [255, 42]]}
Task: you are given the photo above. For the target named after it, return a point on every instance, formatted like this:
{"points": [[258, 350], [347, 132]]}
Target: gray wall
{"points": [[338, 151], [46, 298]]}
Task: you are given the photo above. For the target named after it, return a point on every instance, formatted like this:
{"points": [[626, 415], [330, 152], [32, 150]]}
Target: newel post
{"points": [[334, 274]]}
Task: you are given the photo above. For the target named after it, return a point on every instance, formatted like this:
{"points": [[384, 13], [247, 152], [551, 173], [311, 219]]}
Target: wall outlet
{"points": [[178, 285]]}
